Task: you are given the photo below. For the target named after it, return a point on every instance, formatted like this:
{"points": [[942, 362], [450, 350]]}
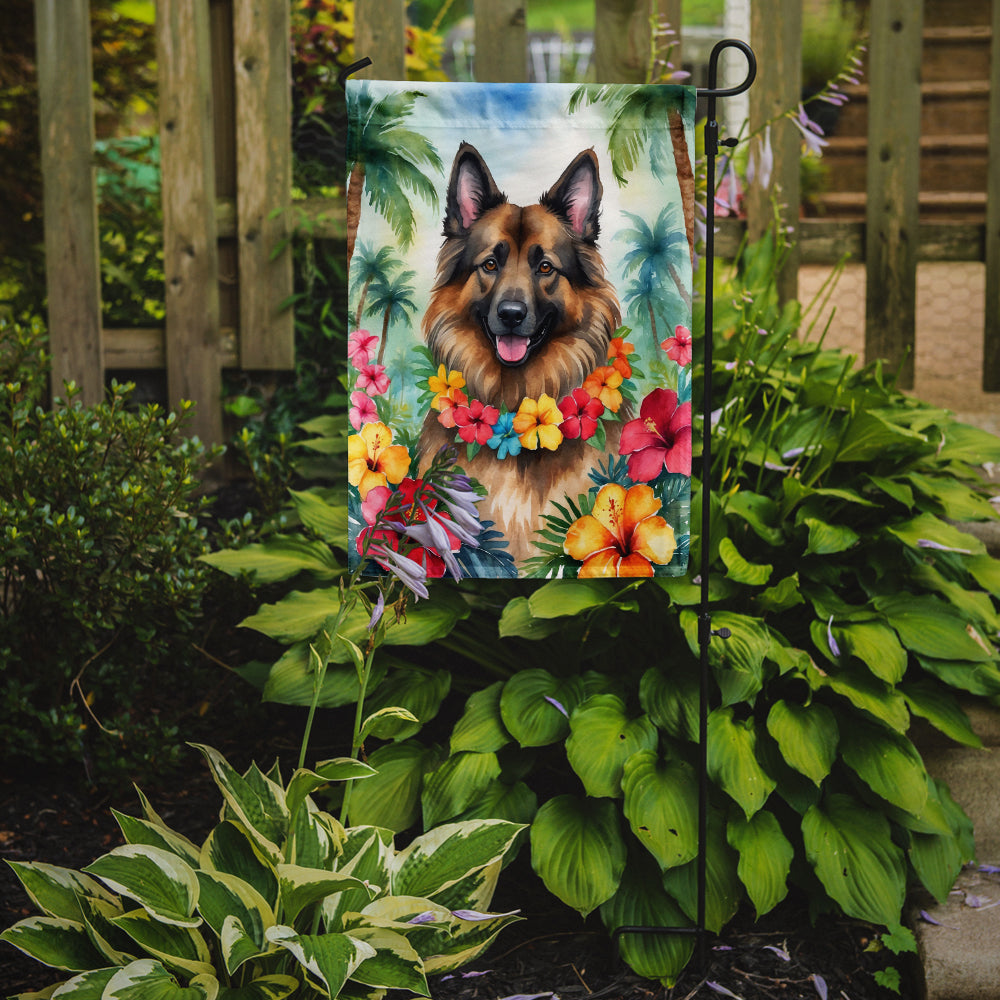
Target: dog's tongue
{"points": [[512, 348]]}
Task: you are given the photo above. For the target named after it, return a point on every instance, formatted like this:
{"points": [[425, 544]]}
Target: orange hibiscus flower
{"points": [[603, 383], [618, 352], [373, 460], [622, 536]]}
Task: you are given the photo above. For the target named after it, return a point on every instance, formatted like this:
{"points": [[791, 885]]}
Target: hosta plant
{"points": [[279, 900]]}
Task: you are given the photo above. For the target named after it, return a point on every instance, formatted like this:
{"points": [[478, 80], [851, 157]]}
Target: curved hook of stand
{"points": [[348, 70], [712, 90]]}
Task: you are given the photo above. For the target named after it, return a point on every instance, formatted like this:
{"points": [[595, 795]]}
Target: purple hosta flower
{"points": [[531, 996], [927, 918], [719, 988], [552, 701], [780, 952], [409, 572], [834, 648], [761, 163], [728, 195], [990, 869], [927, 543], [475, 915], [465, 975], [820, 984], [427, 917], [431, 535], [377, 612], [812, 134]]}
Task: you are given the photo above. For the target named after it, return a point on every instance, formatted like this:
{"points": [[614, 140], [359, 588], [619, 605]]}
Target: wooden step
{"points": [[957, 206], [956, 53], [945, 12]]}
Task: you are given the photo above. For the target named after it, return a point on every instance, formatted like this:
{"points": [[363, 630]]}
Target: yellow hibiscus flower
{"points": [[622, 535], [373, 460], [444, 384], [537, 423]]}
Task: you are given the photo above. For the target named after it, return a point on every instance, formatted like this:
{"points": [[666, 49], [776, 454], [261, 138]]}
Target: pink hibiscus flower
{"points": [[580, 413], [360, 347], [660, 438], [475, 422], [362, 410], [373, 379], [678, 347]]}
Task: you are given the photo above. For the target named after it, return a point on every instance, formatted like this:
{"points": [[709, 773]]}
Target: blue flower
{"points": [[505, 440]]}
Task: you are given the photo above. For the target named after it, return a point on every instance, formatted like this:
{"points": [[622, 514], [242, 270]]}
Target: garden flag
{"points": [[520, 265]]}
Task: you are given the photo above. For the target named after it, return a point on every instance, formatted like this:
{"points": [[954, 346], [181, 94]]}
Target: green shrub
{"points": [[279, 900], [101, 584]]}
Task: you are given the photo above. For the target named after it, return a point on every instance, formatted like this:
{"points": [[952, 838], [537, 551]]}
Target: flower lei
{"points": [[538, 423]]}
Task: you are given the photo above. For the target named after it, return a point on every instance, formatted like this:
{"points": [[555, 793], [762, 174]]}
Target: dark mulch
{"points": [[551, 952]]}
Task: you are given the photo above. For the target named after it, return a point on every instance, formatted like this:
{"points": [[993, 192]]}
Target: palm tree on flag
{"points": [[371, 267], [387, 161], [394, 299]]}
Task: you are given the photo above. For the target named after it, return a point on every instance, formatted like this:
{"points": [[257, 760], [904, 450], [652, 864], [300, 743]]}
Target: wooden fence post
{"points": [[72, 255], [621, 40], [261, 57], [991, 332], [893, 183], [501, 41], [190, 251], [380, 34], [776, 35]]}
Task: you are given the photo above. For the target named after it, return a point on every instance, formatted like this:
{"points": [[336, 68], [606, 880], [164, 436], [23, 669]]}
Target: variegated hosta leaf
{"points": [[578, 851], [56, 891], [481, 727], [732, 760], [476, 890], [225, 897], [300, 887], [149, 980], [888, 763], [456, 784], [367, 853], [395, 964], [177, 947], [158, 880], [54, 941], [602, 737], [467, 940], [535, 706], [256, 801], [441, 857], [275, 987], [116, 947], [807, 736], [329, 959], [315, 838], [661, 805], [230, 849], [141, 831], [86, 986], [850, 847], [642, 902], [765, 858]]}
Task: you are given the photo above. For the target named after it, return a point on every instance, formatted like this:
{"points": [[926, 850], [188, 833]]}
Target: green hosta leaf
{"points": [[975, 605], [54, 941], [758, 511], [850, 848], [783, 595], [260, 809], [327, 520], [330, 959], [481, 728], [888, 763], [438, 859], [976, 678], [827, 539], [301, 887], [147, 979], [765, 858], [870, 436], [141, 831], [391, 798], [937, 859], [304, 782], [602, 738], [291, 680], [671, 700], [876, 646], [957, 501], [386, 723], [517, 620], [417, 690], [395, 964], [516, 803], [56, 891], [231, 850], [527, 711], [456, 784], [738, 569], [732, 760], [578, 851], [931, 628], [641, 901], [177, 947], [279, 558], [928, 528], [723, 889], [561, 598], [225, 897], [807, 736], [864, 691], [941, 709], [738, 661], [159, 881], [986, 572], [661, 798], [965, 443], [275, 987]]}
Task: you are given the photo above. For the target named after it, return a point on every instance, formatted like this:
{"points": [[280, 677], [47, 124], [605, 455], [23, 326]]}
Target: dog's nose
{"points": [[511, 313]]}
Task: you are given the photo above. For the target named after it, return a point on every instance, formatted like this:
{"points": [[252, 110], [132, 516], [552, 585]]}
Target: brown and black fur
{"points": [[521, 306]]}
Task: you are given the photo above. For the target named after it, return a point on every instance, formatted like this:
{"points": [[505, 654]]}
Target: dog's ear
{"points": [[471, 191], [576, 196]]}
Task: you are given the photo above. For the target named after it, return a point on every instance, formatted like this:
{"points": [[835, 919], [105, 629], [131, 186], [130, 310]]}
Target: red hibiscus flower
{"points": [[580, 413], [475, 422], [659, 439]]}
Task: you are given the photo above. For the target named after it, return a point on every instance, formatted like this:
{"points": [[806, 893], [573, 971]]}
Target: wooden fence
{"points": [[226, 161]]}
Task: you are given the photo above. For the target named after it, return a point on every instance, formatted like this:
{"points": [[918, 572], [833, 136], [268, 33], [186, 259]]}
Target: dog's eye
{"points": [[545, 267], [490, 264]]}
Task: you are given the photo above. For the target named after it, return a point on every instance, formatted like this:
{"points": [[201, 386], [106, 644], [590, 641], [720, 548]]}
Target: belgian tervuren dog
{"points": [[521, 307]]}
